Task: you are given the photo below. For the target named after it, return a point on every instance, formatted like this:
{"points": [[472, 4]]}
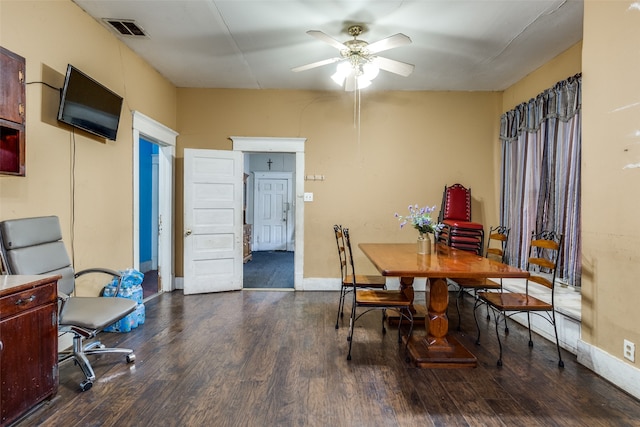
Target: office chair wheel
{"points": [[384, 330], [530, 343], [349, 357], [131, 358], [86, 385], [561, 364], [499, 362]]}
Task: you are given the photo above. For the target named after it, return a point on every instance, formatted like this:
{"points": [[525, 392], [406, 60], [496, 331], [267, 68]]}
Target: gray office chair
{"points": [[34, 246]]}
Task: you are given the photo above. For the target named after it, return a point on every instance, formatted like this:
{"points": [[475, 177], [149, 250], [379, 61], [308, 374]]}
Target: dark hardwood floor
{"points": [[275, 359]]}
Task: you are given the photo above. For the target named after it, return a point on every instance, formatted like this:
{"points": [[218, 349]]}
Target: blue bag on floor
{"points": [[130, 288]]}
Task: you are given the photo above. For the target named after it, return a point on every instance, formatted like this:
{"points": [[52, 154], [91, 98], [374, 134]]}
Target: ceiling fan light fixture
{"points": [[361, 73], [338, 78], [363, 82], [370, 71], [343, 70], [358, 63]]}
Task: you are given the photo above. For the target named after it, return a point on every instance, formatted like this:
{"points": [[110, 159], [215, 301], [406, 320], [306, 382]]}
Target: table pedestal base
{"points": [[418, 316], [455, 357]]}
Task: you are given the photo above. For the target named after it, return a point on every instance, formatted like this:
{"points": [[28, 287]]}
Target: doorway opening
{"points": [[270, 220], [148, 218], [158, 146], [261, 157]]}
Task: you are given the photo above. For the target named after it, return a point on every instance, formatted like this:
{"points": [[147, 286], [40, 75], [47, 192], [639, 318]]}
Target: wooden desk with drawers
{"points": [[28, 343]]}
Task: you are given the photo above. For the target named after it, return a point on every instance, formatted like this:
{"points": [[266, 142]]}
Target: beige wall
{"points": [[410, 145], [610, 205], [49, 35], [565, 65]]}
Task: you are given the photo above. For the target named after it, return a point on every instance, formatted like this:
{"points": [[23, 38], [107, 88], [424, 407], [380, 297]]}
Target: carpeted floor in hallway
{"points": [[270, 270]]}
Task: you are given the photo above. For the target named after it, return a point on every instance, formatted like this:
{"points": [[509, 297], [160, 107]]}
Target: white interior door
{"points": [[272, 212], [213, 192]]}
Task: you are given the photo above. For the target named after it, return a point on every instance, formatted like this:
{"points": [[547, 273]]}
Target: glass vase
{"points": [[424, 244]]}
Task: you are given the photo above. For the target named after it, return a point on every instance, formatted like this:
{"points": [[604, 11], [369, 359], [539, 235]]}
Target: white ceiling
{"points": [[471, 45]]}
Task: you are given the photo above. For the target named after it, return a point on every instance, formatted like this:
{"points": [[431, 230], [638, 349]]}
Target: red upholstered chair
{"points": [[455, 213]]}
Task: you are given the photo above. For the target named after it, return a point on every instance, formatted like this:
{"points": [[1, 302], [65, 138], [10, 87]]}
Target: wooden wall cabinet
{"points": [[28, 343], [12, 113]]}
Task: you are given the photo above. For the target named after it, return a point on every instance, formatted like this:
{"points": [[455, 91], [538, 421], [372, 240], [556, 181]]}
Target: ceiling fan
{"points": [[358, 62]]}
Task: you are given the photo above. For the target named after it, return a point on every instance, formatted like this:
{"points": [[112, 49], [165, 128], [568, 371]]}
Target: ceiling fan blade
{"points": [[393, 66], [396, 40], [316, 64], [327, 39]]}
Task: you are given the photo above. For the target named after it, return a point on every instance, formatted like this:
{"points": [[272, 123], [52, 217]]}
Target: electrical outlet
{"points": [[629, 351]]}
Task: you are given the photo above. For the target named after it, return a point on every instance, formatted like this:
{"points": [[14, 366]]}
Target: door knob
{"points": [[188, 232]]}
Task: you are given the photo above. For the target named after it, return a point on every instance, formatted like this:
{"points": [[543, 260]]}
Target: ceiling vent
{"points": [[125, 27]]}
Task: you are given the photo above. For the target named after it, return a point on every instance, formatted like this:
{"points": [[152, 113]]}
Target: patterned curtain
{"points": [[540, 173]]}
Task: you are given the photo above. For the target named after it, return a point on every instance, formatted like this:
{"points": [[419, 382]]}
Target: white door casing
{"points": [[213, 194], [155, 218], [165, 137], [273, 200]]}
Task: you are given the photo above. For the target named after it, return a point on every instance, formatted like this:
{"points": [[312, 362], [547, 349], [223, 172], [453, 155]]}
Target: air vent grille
{"points": [[125, 27]]}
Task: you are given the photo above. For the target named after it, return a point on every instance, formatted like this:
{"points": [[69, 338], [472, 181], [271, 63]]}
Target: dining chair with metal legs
{"points": [[544, 252], [496, 246], [346, 279], [376, 299]]}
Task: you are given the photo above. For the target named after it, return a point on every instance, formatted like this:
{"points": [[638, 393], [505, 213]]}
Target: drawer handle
{"points": [[26, 301]]}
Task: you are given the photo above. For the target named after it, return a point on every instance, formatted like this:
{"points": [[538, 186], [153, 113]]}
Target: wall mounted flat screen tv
{"points": [[88, 105]]}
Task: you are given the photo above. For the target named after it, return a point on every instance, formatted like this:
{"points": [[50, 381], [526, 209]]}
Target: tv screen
{"points": [[88, 105]]}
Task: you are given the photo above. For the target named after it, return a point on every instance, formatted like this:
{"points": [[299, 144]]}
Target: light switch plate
{"points": [[308, 197]]}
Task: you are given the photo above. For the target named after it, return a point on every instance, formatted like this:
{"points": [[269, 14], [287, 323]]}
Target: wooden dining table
{"points": [[435, 348]]}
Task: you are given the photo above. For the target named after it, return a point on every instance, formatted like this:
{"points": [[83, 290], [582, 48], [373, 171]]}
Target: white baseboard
{"points": [[568, 329], [611, 368], [333, 284], [328, 284], [146, 266], [319, 284]]}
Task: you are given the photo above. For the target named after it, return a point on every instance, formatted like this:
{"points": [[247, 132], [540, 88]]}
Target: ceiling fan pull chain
{"points": [[357, 103], [355, 108]]}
